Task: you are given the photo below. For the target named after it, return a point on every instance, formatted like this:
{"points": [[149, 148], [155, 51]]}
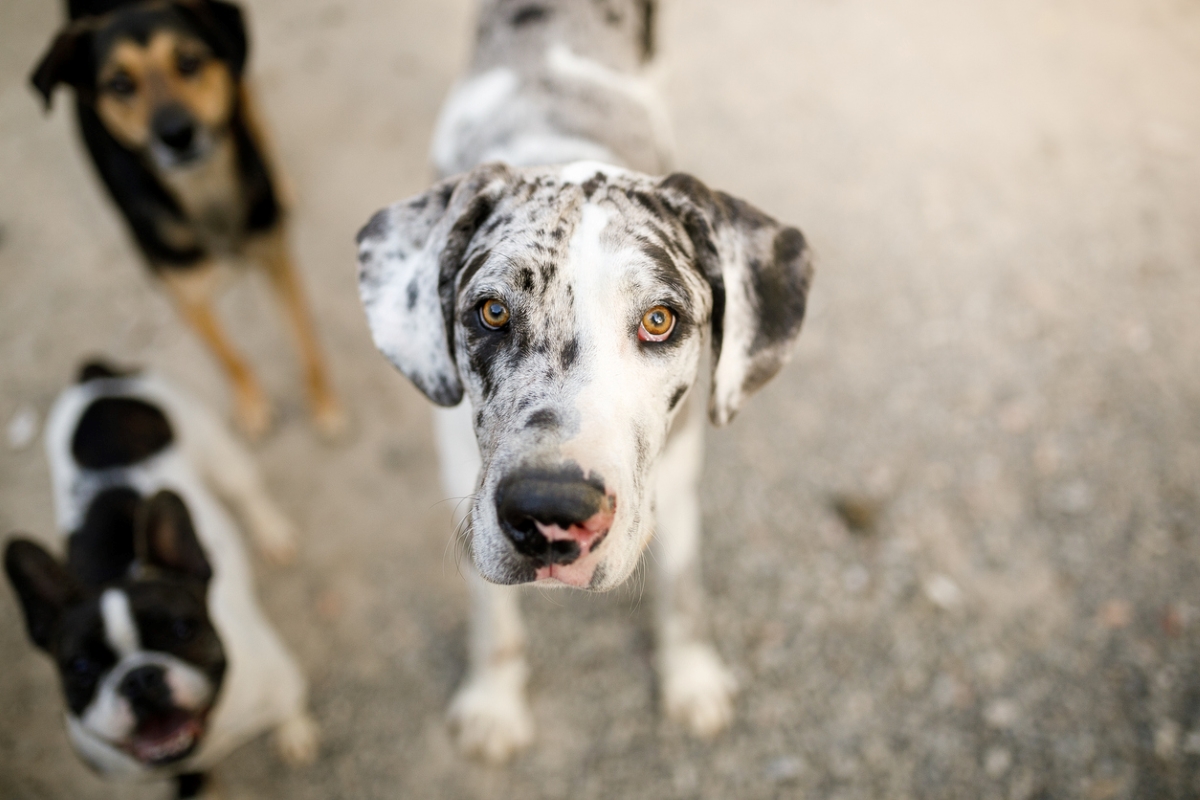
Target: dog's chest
{"points": [[211, 197]]}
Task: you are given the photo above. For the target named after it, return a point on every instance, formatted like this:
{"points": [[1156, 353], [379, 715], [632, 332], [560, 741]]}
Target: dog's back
{"points": [[555, 81]]}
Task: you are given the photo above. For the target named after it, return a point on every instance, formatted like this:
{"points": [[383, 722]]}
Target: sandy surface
{"points": [[1000, 375]]}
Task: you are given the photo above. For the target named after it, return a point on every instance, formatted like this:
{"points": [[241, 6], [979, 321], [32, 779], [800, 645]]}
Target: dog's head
{"points": [[162, 75], [139, 659], [572, 307]]}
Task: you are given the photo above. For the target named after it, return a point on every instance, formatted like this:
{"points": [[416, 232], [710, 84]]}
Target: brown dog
{"points": [[165, 113]]}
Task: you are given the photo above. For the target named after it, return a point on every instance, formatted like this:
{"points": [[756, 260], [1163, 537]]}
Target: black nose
{"points": [[146, 690], [175, 128], [561, 497]]}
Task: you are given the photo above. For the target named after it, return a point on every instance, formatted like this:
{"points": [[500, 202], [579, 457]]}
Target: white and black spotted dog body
{"points": [[523, 297], [165, 660]]}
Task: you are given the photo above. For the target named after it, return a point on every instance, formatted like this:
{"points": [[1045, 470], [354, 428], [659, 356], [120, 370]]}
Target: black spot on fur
{"points": [[474, 265], [527, 15], [568, 354], [649, 26], [99, 369], [411, 294], [592, 184], [542, 418], [676, 396], [377, 226], [781, 287], [525, 279], [119, 431], [102, 549]]}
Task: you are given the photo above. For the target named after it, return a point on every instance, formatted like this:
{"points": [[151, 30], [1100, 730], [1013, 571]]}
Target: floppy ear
{"points": [[408, 257], [42, 585], [164, 537], [69, 61], [226, 29], [759, 271]]}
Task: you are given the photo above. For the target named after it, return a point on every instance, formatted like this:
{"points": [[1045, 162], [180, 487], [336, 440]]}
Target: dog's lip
{"points": [[168, 737], [576, 574]]}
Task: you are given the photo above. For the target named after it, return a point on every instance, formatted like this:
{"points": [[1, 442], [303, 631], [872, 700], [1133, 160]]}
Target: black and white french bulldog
{"points": [[165, 659]]}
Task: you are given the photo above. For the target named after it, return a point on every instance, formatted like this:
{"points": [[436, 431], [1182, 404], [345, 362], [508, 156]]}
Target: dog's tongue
{"points": [[165, 737]]}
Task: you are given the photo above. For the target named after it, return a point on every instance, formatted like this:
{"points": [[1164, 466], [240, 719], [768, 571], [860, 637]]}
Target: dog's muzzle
{"points": [[556, 519]]}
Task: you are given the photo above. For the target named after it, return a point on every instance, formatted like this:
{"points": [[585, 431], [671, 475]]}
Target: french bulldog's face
{"points": [[140, 661], [161, 76], [572, 307]]}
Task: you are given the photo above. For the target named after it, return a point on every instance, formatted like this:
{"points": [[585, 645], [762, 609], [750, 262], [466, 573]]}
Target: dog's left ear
{"points": [[759, 271], [164, 537], [69, 61], [224, 28]]}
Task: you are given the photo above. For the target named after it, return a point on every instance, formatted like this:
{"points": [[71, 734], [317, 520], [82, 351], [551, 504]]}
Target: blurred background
{"points": [[952, 550]]}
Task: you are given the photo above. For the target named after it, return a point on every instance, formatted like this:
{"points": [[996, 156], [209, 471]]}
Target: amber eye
{"points": [[657, 324], [121, 84], [188, 64], [494, 313]]}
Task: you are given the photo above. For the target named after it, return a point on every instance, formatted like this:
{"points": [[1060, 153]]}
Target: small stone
{"points": [[943, 592], [1166, 740], [1174, 623], [855, 579], [1075, 497], [859, 512], [22, 428], [329, 605], [1116, 614], [1001, 714], [1191, 743], [996, 762], [785, 769]]}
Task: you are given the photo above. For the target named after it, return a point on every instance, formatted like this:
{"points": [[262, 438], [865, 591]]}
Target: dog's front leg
{"points": [[697, 690], [489, 713]]}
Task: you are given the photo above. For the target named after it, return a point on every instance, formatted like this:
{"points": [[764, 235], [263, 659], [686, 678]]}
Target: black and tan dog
{"points": [[165, 113]]}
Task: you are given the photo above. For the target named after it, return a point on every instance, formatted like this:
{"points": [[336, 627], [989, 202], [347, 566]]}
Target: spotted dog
{"points": [[575, 317], [167, 117], [165, 659]]}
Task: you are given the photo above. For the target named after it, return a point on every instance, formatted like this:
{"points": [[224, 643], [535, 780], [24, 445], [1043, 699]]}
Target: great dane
{"points": [[570, 312]]}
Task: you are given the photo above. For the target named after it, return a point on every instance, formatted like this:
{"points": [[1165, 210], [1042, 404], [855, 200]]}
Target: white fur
{"points": [[120, 631], [469, 105], [263, 687]]}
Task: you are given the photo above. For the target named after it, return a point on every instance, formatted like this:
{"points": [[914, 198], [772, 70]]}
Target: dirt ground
{"points": [[998, 386]]}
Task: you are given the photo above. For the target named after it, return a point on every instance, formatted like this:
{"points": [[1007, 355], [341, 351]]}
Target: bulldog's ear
{"points": [[69, 61], [759, 271], [165, 537], [408, 257], [42, 585]]}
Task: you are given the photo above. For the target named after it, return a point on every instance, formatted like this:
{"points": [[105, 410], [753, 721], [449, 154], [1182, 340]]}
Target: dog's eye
{"points": [[81, 666], [657, 324], [121, 84], [494, 314], [184, 629], [188, 64]]}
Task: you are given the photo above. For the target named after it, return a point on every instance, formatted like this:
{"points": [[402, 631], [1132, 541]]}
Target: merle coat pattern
{"points": [[517, 295]]}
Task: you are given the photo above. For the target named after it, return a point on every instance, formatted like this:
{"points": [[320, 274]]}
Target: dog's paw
{"points": [[274, 535], [697, 689], [489, 715], [298, 739], [252, 413]]}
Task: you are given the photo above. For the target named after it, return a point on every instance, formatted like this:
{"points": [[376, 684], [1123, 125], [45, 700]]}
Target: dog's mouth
{"points": [[166, 737]]}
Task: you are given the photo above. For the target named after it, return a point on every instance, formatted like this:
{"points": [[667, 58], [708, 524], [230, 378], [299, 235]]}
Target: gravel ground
{"points": [[952, 550]]}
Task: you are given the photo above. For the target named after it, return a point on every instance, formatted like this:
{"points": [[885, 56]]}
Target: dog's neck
{"points": [[210, 196]]}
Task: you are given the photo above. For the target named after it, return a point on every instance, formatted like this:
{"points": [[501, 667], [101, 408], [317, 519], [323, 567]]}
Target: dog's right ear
{"points": [[408, 257], [69, 61], [164, 537], [42, 585]]}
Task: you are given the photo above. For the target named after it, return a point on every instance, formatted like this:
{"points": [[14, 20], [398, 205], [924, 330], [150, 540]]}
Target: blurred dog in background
{"points": [[165, 659], [571, 311], [165, 113]]}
